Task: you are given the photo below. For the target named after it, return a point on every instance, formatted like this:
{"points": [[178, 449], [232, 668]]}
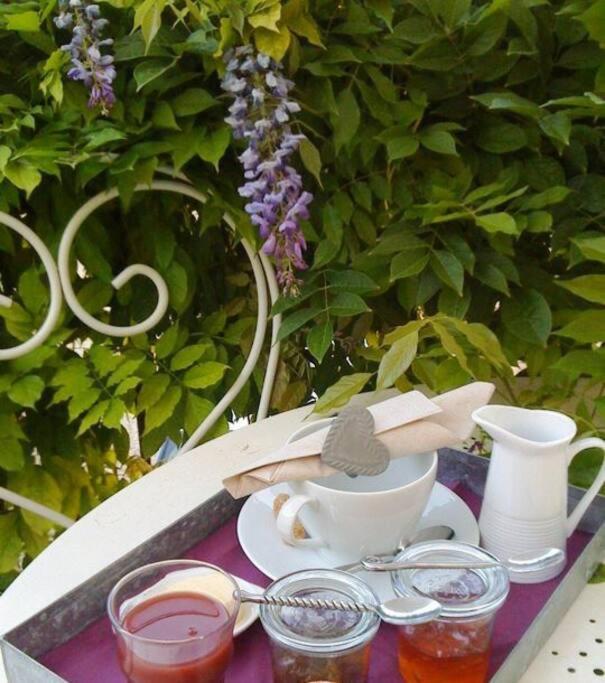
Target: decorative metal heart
{"points": [[351, 446]]}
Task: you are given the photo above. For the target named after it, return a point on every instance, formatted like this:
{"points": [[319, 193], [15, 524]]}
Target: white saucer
{"points": [[263, 546]]}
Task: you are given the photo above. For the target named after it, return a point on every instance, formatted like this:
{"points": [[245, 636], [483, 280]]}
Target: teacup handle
{"points": [[574, 519], [286, 519]]}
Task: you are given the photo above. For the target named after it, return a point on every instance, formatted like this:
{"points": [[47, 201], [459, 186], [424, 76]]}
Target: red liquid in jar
{"points": [[177, 617], [440, 652]]}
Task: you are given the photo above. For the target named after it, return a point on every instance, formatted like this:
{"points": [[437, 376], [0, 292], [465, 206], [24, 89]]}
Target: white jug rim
{"points": [[532, 426]]}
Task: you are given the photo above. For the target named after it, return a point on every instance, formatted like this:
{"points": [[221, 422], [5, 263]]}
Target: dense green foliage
{"points": [[456, 153]]}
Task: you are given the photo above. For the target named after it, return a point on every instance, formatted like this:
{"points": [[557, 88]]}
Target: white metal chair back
{"points": [[59, 280]]}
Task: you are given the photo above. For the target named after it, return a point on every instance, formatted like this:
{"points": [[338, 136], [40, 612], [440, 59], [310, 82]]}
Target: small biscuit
{"points": [[299, 530]]}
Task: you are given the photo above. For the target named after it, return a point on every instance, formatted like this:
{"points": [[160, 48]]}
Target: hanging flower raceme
{"points": [[89, 64], [260, 114]]}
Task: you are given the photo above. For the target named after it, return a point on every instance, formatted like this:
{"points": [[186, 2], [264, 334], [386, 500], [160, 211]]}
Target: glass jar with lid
{"points": [[320, 644], [456, 646]]}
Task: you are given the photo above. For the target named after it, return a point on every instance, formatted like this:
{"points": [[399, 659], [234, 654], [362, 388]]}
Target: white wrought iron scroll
{"points": [[54, 308], [266, 285]]}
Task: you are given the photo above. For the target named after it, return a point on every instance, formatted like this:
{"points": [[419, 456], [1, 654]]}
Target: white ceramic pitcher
{"points": [[525, 501]]}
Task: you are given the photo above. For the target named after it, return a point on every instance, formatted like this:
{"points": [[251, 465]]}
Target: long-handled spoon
{"points": [[407, 610], [527, 562], [438, 532]]}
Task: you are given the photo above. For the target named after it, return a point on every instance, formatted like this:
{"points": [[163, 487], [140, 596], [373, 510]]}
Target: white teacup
{"points": [[365, 515]]}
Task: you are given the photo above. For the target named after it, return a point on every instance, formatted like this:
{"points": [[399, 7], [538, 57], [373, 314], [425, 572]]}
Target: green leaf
{"points": [[347, 304], [589, 287], [148, 17], [148, 70], [204, 375], [397, 360], [271, 43], [483, 339], [152, 391], [577, 363], [401, 147], [384, 9], [592, 246], [197, 410], [26, 391], [527, 315], [500, 138], [594, 21], [126, 385], [187, 356], [161, 411], [311, 159], [213, 147], [346, 122], [167, 342], [539, 221], [163, 116], [11, 545], [12, 458], [451, 345], [448, 269], [23, 175], [453, 305], [82, 401], [326, 251], [267, 18], [557, 127], [332, 224], [319, 340], [192, 101], [115, 412], [492, 276], [5, 155], [24, 21], [35, 483], [351, 281], [93, 416], [33, 293], [509, 101], [215, 323], [497, 222], [340, 393], [553, 195], [587, 327], [439, 141], [297, 320], [408, 263]]}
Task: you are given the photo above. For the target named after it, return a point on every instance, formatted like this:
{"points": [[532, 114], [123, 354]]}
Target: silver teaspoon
{"points": [[438, 532], [526, 562], [407, 610]]}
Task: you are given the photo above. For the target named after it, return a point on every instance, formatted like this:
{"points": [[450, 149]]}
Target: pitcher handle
{"points": [[593, 442]]}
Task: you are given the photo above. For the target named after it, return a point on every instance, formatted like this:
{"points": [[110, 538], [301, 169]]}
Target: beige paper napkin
{"points": [[406, 424]]}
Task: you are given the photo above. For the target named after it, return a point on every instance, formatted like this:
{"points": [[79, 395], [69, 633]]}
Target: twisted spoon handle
{"points": [[312, 603]]}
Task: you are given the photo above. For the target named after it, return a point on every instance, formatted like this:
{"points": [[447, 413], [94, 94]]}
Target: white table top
{"points": [[163, 496]]}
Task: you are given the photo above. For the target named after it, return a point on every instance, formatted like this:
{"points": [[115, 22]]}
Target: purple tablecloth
{"points": [[90, 656]]}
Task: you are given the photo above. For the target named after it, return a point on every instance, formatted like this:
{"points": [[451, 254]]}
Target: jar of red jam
{"points": [[455, 647], [320, 644]]}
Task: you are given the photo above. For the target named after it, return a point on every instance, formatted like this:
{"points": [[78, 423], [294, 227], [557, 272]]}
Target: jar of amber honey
{"points": [[320, 644], [455, 647]]}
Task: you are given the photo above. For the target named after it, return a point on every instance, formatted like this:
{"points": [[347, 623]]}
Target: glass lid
{"points": [[462, 592], [320, 630]]}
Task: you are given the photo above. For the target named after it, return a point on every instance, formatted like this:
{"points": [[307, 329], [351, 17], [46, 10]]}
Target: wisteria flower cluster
{"points": [[260, 114], [89, 64]]}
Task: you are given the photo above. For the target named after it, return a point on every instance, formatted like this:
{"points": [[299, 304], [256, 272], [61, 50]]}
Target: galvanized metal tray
{"points": [[66, 617]]}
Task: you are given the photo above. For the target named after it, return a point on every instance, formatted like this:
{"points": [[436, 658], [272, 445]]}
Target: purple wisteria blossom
{"points": [[89, 64], [260, 114]]}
